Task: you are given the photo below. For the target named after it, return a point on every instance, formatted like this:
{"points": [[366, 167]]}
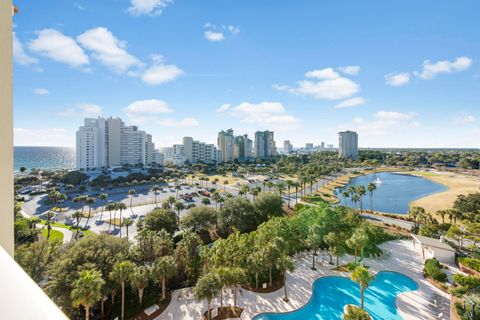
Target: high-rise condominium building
{"points": [[225, 144], [287, 147], [348, 144], [322, 145], [196, 151], [309, 146], [265, 145], [109, 142], [242, 148]]}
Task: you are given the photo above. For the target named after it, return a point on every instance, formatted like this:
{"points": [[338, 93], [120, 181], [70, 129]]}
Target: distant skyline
{"points": [[401, 74]]}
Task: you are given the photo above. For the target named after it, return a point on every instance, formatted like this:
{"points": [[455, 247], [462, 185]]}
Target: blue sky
{"points": [[401, 73]]}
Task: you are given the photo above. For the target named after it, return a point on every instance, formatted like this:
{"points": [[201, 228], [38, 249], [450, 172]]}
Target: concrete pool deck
{"points": [[402, 257]]}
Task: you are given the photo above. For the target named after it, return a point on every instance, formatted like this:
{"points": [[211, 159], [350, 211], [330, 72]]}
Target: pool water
{"points": [[331, 294]]}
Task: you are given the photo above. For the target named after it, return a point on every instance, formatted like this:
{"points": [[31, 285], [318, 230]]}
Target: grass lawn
{"points": [[54, 234], [61, 225]]}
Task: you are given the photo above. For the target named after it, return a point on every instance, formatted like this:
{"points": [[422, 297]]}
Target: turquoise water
{"points": [[394, 193], [331, 294], [44, 158]]}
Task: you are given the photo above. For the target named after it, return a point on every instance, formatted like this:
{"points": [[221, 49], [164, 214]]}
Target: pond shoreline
{"points": [[343, 181]]}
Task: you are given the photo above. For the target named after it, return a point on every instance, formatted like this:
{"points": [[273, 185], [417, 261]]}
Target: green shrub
{"points": [[468, 282], [432, 269], [356, 313], [472, 263]]}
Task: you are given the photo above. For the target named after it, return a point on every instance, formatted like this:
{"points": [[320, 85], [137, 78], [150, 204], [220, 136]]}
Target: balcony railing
{"points": [[20, 296]]}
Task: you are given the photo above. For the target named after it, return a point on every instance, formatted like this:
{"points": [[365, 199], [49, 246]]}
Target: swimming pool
{"points": [[331, 294]]}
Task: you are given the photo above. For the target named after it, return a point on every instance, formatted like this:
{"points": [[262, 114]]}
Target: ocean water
{"points": [[44, 158]]}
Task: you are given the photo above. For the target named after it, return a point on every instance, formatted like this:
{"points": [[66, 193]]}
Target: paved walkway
{"points": [[402, 258], [67, 234]]}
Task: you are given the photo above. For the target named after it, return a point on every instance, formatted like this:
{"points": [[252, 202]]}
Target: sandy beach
{"points": [[457, 184]]}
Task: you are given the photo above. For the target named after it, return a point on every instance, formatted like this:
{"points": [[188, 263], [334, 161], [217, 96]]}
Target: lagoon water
{"points": [[394, 192]]}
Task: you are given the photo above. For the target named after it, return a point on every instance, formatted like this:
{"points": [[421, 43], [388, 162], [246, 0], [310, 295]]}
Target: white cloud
{"points": [[19, 54], [59, 47], [223, 108], [217, 34], [148, 7], [430, 70], [383, 123], [326, 73], [40, 91], [152, 106], [79, 6], [353, 102], [234, 29], [329, 85], [394, 116], [351, 70], [148, 112], [465, 119], [397, 79], [107, 49], [42, 137], [84, 110], [271, 115], [214, 36], [160, 73]]}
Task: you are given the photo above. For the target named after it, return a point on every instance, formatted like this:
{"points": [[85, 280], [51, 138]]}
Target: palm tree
{"points": [[127, 222], [171, 202], [335, 244], [296, 185], [131, 193], [357, 242], [216, 197], [254, 192], [120, 274], [225, 182], [442, 214], [139, 279], [87, 290], [289, 184], [177, 189], [23, 170], [164, 268], [361, 276], [284, 264], [90, 201], [179, 206], [256, 264], [110, 207], [280, 187], [244, 190], [371, 187], [102, 197], [155, 191], [77, 215], [361, 192], [345, 195], [120, 206], [50, 215], [208, 286]]}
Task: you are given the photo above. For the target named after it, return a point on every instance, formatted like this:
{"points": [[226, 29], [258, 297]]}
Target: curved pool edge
{"points": [[255, 317]]}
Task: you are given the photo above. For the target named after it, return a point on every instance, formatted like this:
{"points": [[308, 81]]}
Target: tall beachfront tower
{"points": [[225, 144], [348, 144], [109, 142], [265, 144]]}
